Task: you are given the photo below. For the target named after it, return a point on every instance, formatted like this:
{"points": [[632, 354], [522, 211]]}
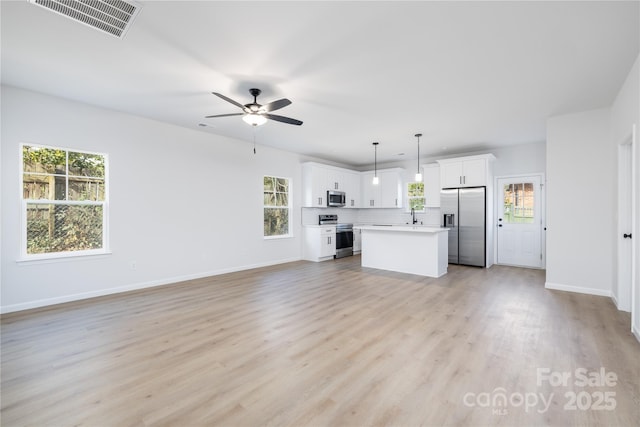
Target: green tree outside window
{"points": [[64, 200], [276, 206], [415, 195]]}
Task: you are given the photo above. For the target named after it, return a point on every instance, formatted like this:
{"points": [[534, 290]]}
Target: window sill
{"points": [[286, 236], [61, 257]]}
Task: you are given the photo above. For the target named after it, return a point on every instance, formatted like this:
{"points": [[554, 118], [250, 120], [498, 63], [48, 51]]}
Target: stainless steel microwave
{"points": [[336, 198]]}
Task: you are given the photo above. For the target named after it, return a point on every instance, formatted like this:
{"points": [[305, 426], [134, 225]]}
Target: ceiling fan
{"points": [[256, 114]]}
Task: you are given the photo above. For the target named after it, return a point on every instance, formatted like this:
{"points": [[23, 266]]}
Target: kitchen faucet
{"points": [[413, 216]]}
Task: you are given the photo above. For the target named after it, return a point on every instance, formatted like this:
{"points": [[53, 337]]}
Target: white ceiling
{"points": [[467, 75]]}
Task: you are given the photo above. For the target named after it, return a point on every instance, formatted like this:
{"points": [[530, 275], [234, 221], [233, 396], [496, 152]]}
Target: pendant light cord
{"points": [[418, 174], [418, 155], [375, 159]]}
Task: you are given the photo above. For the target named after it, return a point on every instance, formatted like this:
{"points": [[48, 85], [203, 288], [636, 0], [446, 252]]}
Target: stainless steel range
{"points": [[344, 235]]}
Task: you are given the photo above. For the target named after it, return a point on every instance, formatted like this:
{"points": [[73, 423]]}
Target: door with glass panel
{"points": [[520, 221]]}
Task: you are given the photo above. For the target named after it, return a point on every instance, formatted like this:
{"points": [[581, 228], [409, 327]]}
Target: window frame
{"points": [[409, 198], [289, 208], [52, 256]]}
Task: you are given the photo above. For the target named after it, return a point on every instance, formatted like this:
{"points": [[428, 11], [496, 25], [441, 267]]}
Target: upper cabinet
{"points": [[317, 179], [387, 193], [360, 192], [314, 185], [335, 179], [472, 171], [352, 189], [431, 173]]}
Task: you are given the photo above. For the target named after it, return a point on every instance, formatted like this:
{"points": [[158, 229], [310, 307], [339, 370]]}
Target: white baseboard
{"points": [[133, 287], [619, 306], [577, 289], [615, 300], [635, 332]]}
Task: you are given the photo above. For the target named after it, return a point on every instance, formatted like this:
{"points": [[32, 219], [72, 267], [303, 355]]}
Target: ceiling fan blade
{"points": [[237, 104], [224, 115], [276, 105], [283, 119]]}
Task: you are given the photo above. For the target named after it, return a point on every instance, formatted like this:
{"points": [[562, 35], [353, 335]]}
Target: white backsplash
{"points": [[309, 216]]}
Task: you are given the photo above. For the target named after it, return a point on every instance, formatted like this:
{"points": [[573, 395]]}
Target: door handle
{"points": [[626, 236]]}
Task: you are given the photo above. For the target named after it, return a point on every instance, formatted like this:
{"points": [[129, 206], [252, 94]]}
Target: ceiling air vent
{"points": [[110, 16]]}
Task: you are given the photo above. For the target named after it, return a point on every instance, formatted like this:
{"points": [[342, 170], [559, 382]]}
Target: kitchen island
{"points": [[420, 250]]}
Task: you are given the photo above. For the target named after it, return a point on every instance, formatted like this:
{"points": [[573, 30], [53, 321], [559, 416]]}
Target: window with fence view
{"points": [[277, 208], [64, 200], [518, 203]]}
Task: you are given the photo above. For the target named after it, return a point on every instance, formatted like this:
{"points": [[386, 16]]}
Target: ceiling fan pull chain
{"points": [[254, 139]]}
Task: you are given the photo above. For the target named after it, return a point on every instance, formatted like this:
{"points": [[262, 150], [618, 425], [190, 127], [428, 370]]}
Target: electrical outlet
{"points": [[133, 265]]}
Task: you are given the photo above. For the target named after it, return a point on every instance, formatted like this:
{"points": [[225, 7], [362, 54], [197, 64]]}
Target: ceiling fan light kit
{"points": [[254, 119], [256, 114]]}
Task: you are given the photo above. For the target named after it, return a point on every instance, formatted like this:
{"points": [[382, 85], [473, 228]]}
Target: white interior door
{"points": [[520, 221]]}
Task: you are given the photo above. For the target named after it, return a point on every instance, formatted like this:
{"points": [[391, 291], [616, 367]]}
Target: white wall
{"points": [[582, 164], [520, 159], [625, 113], [580, 220], [183, 203]]}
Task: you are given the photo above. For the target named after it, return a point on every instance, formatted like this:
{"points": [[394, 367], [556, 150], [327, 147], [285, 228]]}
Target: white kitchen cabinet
{"points": [[314, 186], [351, 181], [471, 171], [370, 192], [431, 174], [317, 179], [319, 242], [387, 193], [336, 179], [391, 189]]}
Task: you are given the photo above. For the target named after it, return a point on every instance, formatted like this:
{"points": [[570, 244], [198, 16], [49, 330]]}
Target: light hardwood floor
{"points": [[322, 344]]}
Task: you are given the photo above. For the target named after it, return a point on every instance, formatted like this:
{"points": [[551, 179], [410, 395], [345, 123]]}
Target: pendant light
{"points": [[418, 174], [375, 164]]}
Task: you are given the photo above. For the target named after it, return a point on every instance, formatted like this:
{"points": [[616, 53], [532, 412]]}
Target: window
{"points": [[415, 195], [518, 203], [64, 202], [277, 208]]}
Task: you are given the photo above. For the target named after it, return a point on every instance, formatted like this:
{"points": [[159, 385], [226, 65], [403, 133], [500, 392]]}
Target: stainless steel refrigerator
{"points": [[464, 211]]}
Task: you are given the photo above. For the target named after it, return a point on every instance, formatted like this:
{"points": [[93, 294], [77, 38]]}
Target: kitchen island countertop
{"points": [[403, 227]]}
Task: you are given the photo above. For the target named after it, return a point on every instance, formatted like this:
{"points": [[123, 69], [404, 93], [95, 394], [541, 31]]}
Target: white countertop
{"points": [[403, 228]]}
